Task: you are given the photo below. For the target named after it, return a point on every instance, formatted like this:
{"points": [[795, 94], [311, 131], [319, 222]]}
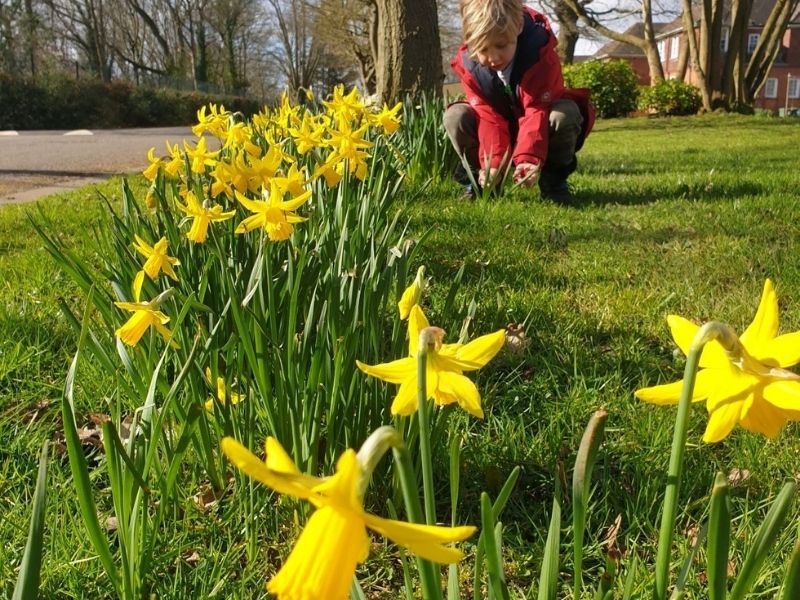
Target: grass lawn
{"points": [[681, 216]]}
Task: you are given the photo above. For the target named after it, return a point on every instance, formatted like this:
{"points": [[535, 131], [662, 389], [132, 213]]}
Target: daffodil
{"points": [[749, 385], [222, 393], [202, 215], [274, 214], [308, 135], [145, 315], [176, 162], [215, 122], [387, 118], [345, 107], [200, 156], [335, 540], [349, 145], [155, 164], [327, 169], [157, 259], [412, 294], [446, 363]]}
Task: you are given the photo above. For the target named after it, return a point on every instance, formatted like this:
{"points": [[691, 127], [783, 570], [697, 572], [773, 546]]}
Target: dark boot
{"points": [[553, 182]]}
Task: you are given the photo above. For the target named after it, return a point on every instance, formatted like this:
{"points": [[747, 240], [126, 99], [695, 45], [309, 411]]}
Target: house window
{"points": [[752, 40], [674, 46], [771, 88], [794, 87], [662, 49], [723, 43]]}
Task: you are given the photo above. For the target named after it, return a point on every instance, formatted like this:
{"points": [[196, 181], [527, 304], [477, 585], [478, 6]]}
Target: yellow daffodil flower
{"points": [[239, 136], [156, 256], [176, 162], [222, 393], [387, 118], [335, 540], [328, 170], [200, 156], [293, 183], [145, 314], [308, 135], [155, 164], [215, 122], [345, 107], [446, 363], [274, 214], [227, 176], [201, 215], [261, 170], [750, 387], [412, 294], [349, 145]]}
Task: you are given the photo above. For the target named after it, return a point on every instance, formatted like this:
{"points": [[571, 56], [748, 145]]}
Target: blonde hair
{"points": [[484, 20]]}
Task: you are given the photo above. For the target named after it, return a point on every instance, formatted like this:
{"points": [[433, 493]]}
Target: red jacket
{"points": [[521, 119]]}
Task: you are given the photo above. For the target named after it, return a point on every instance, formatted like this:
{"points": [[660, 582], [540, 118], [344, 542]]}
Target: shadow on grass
{"points": [[696, 191]]}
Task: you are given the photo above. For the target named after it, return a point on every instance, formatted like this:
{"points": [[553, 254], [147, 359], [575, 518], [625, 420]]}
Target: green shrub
{"points": [[65, 103], [670, 97], [613, 84]]}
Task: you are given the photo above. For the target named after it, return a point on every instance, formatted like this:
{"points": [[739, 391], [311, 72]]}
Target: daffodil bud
{"points": [[372, 450]]}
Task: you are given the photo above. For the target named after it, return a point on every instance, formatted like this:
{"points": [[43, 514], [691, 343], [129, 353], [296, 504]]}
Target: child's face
{"points": [[498, 51]]}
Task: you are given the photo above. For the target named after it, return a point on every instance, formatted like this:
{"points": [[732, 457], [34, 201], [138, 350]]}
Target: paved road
{"points": [[38, 163]]}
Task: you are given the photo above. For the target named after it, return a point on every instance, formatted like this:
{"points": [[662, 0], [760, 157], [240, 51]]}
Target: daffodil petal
{"points": [[278, 459], [481, 350], [288, 205], [252, 222], [729, 385], [464, 390], [721, 421], [782, 351], [670, 393], [136, 288], [764, 418], [426, 541], [396, 371], [683, 332], [765, 324], [405, 402], [253, 467], [251, 205], [416, 323], [784, 395]]}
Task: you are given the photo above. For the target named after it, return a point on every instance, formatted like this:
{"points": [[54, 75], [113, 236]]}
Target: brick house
{"points": [[781, 89]]}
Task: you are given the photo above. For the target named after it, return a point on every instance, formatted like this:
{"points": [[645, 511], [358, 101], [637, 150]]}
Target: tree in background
{"points": [[409, 49], [647, 43], [732, 79]]}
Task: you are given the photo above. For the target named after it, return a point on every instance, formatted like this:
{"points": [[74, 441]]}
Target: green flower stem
{"points": [[708, 332], [425, 428], [408, 482]]}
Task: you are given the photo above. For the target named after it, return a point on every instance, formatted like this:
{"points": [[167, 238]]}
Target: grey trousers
{"points": [[566, 120]]}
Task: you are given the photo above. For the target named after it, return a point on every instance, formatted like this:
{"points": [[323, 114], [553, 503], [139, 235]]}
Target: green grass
{"points": [[685, 216]]}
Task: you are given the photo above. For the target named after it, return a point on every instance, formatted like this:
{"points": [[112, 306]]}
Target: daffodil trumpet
{"points": [[334, 541]]}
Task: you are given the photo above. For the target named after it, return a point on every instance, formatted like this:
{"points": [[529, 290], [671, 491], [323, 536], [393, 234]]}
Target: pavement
{"points": [[40, 163]]}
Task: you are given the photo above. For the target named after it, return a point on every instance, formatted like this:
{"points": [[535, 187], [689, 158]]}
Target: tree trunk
{"points": [[408, 49], [732, 81], [767, 48], [568, 34], [650, 48], [694, 54], [647, 46]]}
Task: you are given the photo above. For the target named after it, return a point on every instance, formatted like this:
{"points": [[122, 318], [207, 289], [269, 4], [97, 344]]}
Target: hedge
{"points": [[71, 104]]}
